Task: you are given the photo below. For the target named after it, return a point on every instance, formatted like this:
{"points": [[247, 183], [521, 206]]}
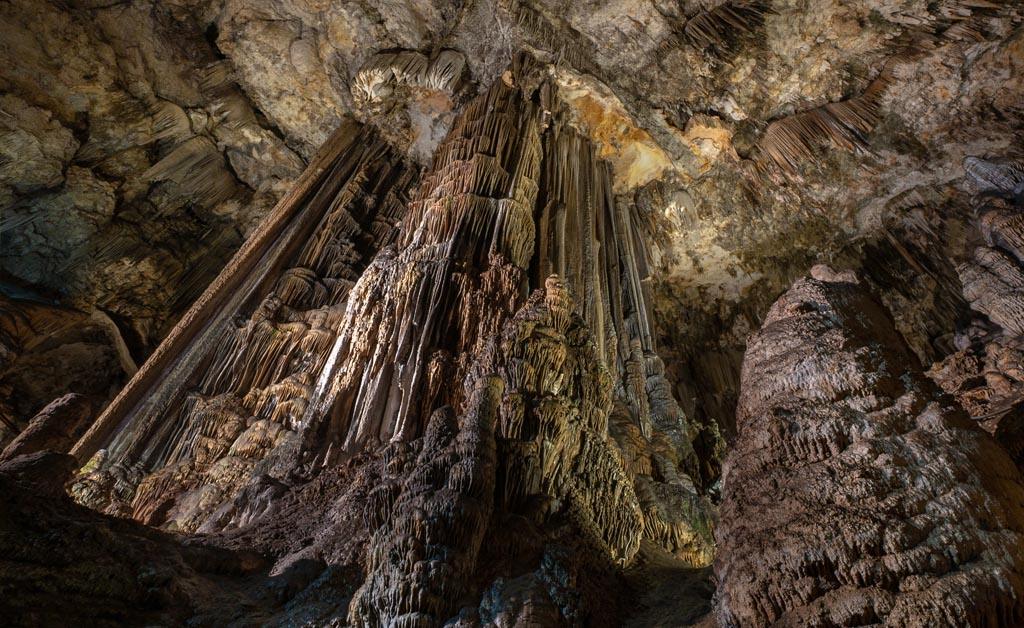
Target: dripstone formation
{"points": [[425, 314], [856, 493], [460, 402]]}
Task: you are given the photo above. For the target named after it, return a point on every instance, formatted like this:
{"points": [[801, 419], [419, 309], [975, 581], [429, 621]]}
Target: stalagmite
{"points": [[856, 494]]}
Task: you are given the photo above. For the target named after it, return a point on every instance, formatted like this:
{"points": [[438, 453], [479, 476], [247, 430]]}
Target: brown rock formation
{"points": [[48, 351], [986, 374], [62, 564], [856, 494], [257, 374], [451, 403], [57, 427], [472, 367]]}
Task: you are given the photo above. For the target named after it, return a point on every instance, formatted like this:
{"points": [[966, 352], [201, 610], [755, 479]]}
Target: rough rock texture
{"points": [[62, 564], [454, 403], [57, 427], [856, 493], [753, 139], [396, 346], [329, 399], [245, 384], [47, 351], [985, 372]]}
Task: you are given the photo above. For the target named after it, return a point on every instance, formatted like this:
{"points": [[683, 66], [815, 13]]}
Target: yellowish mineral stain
{"points": [[634, 154]]}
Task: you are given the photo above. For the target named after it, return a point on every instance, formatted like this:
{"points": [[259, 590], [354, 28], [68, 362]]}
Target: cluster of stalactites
{"points": [[257, 382], [478, 198], [338, 365], [595, 245], [383, 72], [553, 430], [420, 313]]}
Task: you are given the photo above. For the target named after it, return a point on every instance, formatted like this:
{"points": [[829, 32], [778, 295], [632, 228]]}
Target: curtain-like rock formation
{"points": [[857, 494], [460, 401], [456, 402], [241, 387]]}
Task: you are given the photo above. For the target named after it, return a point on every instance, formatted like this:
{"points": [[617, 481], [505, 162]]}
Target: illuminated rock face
{"points": [[856, 493], [186, 453], [493, 362], [452, 389]]}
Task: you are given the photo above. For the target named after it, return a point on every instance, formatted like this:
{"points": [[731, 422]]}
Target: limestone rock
{"points": [[671, 166], [57, 427], [856, 493]]}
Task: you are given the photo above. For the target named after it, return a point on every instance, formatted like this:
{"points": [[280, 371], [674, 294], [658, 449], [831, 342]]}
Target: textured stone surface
{"points": [[133, 171], [57, 427], [47, 351], [856, 493], [66, 565], [456, 386], [675, 164]]}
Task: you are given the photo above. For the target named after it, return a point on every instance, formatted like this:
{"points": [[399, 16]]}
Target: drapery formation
{"points": [[360, 333]]}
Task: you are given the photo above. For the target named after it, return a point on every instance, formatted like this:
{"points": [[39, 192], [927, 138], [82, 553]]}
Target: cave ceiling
{"points": [[510, 263]]}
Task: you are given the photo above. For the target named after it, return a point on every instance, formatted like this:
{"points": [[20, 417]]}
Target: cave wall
{"points": [[619, 206], [133, 172]]}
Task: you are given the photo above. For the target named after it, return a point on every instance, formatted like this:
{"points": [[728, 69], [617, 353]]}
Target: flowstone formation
{"points": [[240, 387], [456, 404], [856, 492], [415, 313]]}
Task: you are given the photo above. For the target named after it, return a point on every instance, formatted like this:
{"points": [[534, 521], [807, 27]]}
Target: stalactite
{"points": [[1003, 178], [549, 32], [502, 400], [381, 73], [198, 169], [593, 241], [789, 141], [718, 29], [258, 378], [994, 285], [986, 374], [465, 246]]}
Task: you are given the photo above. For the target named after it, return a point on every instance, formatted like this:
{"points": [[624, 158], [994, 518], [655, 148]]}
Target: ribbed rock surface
{"points": [[191, 449], [129, 176], [986, 373], [856, 493], [389, 431], [322, 369]]}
